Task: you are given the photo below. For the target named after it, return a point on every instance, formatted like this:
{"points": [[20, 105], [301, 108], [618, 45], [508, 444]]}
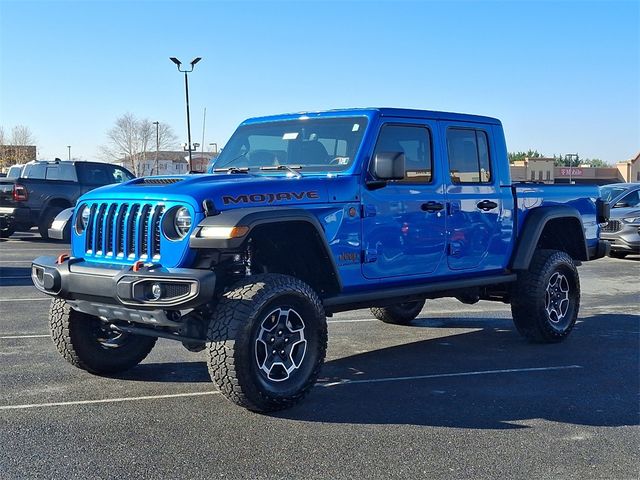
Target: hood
{"points": [[618, 213], [225, 190]]}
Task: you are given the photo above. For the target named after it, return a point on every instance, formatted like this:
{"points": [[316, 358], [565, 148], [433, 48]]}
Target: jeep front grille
{"points": [[124, 231]]}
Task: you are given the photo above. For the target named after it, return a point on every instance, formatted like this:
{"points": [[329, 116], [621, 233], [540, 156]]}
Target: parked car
{"points": [[621, 195], [622, 231], [45, 188], [308, 215]]}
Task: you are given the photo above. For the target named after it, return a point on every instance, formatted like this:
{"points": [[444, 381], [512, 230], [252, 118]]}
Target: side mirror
{"points": [[388, 166], [621, 205]]}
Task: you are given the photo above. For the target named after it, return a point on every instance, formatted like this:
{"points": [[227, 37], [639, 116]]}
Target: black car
{"points": [[45, 188]]}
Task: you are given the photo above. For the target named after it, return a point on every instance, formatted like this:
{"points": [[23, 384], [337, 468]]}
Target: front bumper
{"points": [[625, 240], [76, 280]]}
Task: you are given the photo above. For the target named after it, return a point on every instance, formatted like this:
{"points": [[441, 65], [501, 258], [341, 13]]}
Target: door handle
{"points": [[487, 205], [432, 206]]}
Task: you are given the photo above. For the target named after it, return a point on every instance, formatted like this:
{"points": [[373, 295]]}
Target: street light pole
{"points": [[571, 156], [157, 124], [69, 148], [186, 89]]}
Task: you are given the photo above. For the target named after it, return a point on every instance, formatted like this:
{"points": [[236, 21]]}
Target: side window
{"points": [[52, 173], [469, 160], [36, 171], [415, 143]]}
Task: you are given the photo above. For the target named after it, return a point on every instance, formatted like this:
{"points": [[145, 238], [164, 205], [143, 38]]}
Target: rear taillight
{"points": [[20, 193]]}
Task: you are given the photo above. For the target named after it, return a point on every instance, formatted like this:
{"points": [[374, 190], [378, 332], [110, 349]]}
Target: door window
{"points": [[415, 143], [469, 160]]}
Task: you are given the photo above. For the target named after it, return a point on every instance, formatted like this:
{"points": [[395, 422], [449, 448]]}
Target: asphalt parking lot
{"points": [[456, 395]]}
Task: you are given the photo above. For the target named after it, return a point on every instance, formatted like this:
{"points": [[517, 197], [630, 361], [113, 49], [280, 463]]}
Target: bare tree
{"points": [[132, 140], [19, 147]]}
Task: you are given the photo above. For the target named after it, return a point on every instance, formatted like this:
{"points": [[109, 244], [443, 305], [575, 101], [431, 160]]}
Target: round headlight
{"points": [[182, 221], [82, 219]]}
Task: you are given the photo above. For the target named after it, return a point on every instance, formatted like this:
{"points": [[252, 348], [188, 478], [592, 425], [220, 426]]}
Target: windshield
{"points": [[609, 193], [311, 144]]}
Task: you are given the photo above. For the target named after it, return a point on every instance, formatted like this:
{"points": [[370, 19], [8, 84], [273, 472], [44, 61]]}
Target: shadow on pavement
{"points": [[15, 276], [174, 372], [603, 392]]}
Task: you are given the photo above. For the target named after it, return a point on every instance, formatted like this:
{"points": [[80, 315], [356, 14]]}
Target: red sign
{"points": [[574, 172]]}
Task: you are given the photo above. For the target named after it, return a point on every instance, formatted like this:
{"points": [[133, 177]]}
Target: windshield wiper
{"points": [[232, 170], [291, 168], [223, 167]]}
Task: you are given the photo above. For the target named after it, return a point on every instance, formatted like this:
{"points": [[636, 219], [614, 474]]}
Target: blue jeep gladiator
{"points": [[305, 215]]}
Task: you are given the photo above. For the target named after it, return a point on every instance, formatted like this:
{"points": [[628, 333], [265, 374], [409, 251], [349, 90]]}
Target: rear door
{"points": [[477, 204], [403, 224]]}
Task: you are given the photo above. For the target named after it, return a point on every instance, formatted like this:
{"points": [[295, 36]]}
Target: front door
{"points": [[403, 222]]}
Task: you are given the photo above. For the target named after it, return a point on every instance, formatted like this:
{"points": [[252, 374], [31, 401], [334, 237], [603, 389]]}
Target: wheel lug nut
{"points": [[272, 340], [279, 332], [281, 352], [286, 340], [273, 352]]}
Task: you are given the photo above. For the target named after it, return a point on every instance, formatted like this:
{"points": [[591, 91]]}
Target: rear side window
{"points": [[468, 151], [101, 174], [36, 171], [415, 144]]}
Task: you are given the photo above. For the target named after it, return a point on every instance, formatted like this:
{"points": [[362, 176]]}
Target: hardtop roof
{"points": [[380, 111]]}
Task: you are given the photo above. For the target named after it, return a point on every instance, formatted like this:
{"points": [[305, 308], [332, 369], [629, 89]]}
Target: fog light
{"points": [[156, 291]]}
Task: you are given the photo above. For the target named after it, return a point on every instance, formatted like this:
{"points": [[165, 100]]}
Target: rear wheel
{"points": [[7, 232], [266, 342], [399, 314], [87, 343], [546, 297]]}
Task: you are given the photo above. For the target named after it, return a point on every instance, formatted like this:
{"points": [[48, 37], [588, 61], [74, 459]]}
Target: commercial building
{"points": [[544, 170]]}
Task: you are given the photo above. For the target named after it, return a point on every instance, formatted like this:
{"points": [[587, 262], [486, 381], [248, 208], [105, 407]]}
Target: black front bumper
{"points": [[75, 279]]}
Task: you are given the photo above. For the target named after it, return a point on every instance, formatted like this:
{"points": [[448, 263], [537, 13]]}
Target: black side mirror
{"points": [[621, 204], [388, 166]]}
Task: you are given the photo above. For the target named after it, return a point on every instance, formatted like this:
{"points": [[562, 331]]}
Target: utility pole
{"points": [[69, 148], [204, 121], [157, 124]]}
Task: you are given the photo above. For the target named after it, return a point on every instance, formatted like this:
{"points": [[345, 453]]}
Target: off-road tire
{"points": [[530, 303], [234, 330], [614, 254], [46, 220], [74, 335], [400, 314]]}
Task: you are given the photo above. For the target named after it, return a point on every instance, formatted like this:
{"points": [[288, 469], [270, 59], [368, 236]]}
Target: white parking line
{"points": [[445, 375], [36, 299], [13, 337], [104, 400]]}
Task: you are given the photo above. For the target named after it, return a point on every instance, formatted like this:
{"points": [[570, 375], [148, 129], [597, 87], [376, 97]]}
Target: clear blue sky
{"points": [[562, 76]]}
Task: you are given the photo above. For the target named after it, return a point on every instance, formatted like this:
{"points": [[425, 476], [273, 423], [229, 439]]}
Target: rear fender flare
{"points": [[534, 225]]}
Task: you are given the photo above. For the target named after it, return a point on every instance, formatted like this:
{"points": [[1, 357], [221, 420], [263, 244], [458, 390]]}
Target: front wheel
{"points": [[400, 313], [267, 341], [546, 297], [87, 342]]}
